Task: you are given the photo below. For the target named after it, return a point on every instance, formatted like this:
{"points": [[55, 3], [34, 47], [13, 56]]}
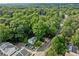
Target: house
{"points": [[10, 12], [22, 52], [72, 48], [7, 48], [32, 40], [42, 12]]}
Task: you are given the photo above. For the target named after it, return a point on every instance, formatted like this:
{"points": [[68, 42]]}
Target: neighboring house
{"points": [[10, 12], [72, 48], [8, 49], [42, 12], [22, 52], [32, 40]]}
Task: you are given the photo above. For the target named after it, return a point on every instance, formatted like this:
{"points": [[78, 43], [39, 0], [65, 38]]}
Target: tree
{"points": [[69, 27], [52, 25], [67, 31], [75, 38], [34, 19], [58, 46], [38, 43], [39, 29], [4, 32], [20, 29]]}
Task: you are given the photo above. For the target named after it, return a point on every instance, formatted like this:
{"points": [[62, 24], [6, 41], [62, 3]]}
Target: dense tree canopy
{"points": [[75, 38], [4, 33], [39, 29], [58, 46], [20, 24]]}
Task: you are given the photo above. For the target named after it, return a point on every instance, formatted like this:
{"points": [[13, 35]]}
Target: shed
{"points": [[32, 40]]}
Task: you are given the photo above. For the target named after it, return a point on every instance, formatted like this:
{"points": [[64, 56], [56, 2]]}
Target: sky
{"points": [[39, 1]]}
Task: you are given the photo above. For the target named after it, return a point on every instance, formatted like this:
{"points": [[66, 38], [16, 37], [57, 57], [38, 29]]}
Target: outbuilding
{"points": [[32, 40]]}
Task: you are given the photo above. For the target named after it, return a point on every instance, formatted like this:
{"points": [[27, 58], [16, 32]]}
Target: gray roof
{"points": [[22, 52], [8, 48], [72, 48]]}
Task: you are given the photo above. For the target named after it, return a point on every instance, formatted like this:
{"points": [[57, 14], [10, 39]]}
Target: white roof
{"points": [[32, 40]]}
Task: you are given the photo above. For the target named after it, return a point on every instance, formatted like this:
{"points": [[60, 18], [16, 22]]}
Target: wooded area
{"points": [[60, 24]]}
